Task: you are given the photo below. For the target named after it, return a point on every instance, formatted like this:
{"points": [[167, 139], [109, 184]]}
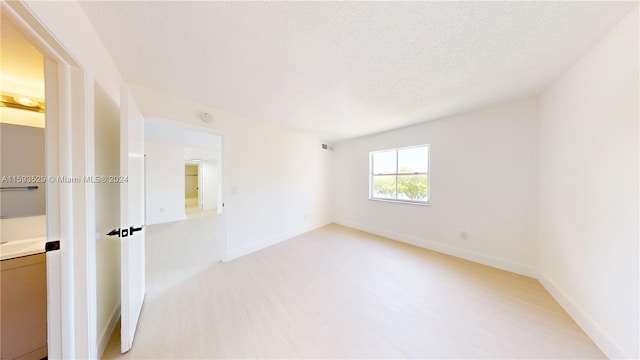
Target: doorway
{"points": [[69, 287], [202, 177], [183, 171], [192, 194], [23, 210], [186, 229]]}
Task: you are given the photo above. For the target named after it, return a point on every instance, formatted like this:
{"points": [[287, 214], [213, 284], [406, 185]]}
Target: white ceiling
{"points": [[343, 69]]}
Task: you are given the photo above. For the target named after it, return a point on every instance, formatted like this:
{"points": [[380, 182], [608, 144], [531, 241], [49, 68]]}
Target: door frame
{"points": [[71, 271]]}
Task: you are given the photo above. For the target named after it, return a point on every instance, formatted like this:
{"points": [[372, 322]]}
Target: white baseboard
{"points": [[495, 262], [105, 334], [608, 346], [248, 249]]}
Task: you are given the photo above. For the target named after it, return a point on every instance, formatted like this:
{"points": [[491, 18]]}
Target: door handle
{"points": [[134, 229], [114, 232], [124, 232]]}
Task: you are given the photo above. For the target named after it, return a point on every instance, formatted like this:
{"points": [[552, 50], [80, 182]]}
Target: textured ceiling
{"points": [[343, 69]]}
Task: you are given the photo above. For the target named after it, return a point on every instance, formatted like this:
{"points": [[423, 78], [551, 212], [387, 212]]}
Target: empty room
{"points": [[335, 180]]}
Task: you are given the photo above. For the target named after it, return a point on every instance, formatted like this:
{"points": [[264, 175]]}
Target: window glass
{"points": [[400, 175], [412, 187], [413, 160], [384, 186], [384, 162]]}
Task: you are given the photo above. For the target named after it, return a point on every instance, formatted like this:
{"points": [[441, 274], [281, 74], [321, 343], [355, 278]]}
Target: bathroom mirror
{"points": [[22, 169]]}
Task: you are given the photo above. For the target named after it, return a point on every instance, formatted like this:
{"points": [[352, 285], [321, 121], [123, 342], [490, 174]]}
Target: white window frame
{"points": [[397, 174]]}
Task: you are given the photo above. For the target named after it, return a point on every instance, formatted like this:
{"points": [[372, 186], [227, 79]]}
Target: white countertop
{"points": [[18, 248]]}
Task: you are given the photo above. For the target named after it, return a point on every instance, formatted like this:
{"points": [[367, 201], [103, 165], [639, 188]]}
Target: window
{"points": [[400, 175]]}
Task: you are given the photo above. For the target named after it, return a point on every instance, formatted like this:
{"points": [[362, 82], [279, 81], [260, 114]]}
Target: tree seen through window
{"points": [[401, 174]]}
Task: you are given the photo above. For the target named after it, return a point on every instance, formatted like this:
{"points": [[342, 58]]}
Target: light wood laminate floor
{"points": [[341, 293]]}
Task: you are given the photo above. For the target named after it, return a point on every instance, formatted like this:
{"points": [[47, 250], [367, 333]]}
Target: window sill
{"points": [[401, 202]]}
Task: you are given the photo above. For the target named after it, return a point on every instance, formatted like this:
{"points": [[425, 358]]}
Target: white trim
{"points": [[606, 343], [419, 203], [200, 187], [54, 308], [83, 195], [105, 334], [67, 245], [54, 262], [502, 264], [248, 249]]}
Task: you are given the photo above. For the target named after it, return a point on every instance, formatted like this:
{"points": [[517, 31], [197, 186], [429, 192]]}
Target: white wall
{"points": [[483, 181], [165, 182], [589, 191], [272, 177]]}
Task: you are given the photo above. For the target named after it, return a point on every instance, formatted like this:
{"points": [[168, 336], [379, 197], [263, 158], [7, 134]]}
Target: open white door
{"points": [[131, 216]]}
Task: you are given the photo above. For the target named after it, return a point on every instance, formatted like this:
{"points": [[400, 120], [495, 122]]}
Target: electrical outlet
{"points": [[161, 210], [306, 217], [464, 235]]}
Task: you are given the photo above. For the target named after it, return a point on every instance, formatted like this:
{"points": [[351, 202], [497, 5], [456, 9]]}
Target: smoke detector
{"points": [[206, 117]]}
